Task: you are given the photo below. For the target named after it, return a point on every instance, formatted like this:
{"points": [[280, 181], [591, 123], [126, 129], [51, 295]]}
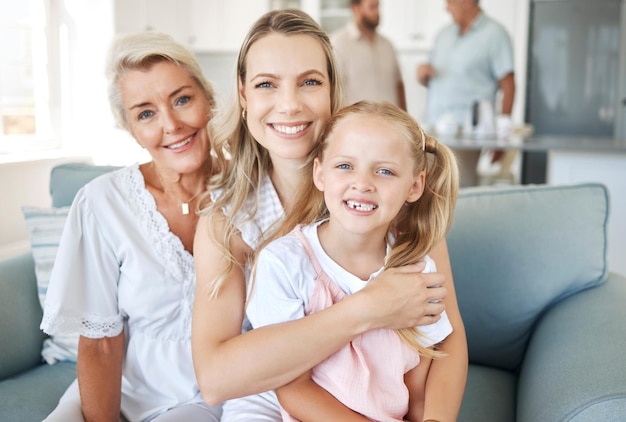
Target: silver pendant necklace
{"points": [[184, 205]]}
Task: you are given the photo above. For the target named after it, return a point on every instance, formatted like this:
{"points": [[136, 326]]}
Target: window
{"points": [[53, 96], [25, 98]]}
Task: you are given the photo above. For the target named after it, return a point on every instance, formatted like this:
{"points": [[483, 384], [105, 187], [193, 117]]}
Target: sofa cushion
{"points": [[490, 395], [512, 262], [45, 226], [31, 396], [67, 179]]}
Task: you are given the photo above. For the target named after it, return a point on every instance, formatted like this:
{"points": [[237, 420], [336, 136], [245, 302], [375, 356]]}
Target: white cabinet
{"points": [[330, 14], [202, 25], [412, 24], [167, 16], [218, 25], [221, 26]]}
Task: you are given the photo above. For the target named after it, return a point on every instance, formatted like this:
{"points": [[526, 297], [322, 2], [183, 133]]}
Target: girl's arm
{"points": [[230, 365], [306, 401], [99, 367], [446, 379], [415, 381]]}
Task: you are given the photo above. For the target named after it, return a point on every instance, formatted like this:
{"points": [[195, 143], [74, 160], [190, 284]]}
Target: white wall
{"points": [[23, 183], [569, 167]]}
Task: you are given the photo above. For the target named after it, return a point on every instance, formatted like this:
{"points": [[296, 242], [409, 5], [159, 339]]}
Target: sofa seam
{"points": [[602, 399]]}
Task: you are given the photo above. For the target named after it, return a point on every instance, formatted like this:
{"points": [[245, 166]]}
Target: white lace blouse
{"points": [[118, 268]]}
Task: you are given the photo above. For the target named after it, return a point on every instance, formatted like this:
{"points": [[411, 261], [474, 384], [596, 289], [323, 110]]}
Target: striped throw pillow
{"points": [[45, 226]]}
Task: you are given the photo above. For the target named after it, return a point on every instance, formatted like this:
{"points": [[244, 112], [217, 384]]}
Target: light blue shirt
{"points": [[467, 67]]}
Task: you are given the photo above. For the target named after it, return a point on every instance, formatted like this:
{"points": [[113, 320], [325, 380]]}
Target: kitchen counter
{"points": [[539, 143]]}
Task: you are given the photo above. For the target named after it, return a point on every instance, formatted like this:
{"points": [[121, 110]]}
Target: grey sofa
{"points": [[30, 389], [546, 323]]}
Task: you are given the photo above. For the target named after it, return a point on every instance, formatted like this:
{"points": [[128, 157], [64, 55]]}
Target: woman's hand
{"points": [[405, 297]]}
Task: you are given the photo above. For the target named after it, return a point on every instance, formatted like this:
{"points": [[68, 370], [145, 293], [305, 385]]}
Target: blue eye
{"points": [[183, 100], [385, 172], [344, 166], [146, 114], [263, 85], [312, 82]]}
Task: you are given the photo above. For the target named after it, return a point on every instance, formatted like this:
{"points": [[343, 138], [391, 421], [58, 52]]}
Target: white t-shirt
{"points": [[285, 279]]}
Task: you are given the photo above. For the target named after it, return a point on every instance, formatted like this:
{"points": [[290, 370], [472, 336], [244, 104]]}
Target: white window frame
{"points": [[71, 95], [43, 36]]}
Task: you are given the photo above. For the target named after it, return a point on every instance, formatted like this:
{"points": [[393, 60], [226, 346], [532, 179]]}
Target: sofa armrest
{"points": [[575, 365], [20, 316]]}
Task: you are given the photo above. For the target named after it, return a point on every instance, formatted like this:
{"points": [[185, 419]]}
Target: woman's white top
{"points": [[119, 267], [256, 220]]}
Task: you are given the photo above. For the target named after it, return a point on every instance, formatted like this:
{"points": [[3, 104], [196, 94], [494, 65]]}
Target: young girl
{"points": [[287, 87], [385, 197]]}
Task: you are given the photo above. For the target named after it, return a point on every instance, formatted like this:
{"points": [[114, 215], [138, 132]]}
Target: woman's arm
{"points": [[446, 379], [306, 401], [99, 367], [230, 365]]}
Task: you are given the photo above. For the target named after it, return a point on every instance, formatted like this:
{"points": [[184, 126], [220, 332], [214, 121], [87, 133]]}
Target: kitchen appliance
{"points": [[480, 121], [576, 73]]}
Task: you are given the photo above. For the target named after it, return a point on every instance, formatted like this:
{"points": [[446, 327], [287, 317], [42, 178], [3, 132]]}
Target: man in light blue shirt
{"points": [[471, 60]]}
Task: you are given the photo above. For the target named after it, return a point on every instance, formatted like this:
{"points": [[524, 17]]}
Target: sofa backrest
{"points": [[21, 314], [515, 252], [67, 179]]}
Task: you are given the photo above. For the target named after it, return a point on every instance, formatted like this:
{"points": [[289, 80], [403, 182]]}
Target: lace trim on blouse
{"points": [[178, 261], [91, 326]]}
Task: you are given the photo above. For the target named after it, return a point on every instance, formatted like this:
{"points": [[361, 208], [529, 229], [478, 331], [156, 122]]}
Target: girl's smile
{"points": [[367, 174]]}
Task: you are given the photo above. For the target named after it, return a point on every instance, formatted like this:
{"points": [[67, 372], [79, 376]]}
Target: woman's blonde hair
{"points": [[140, 52], [419, 225], [245, 161]]}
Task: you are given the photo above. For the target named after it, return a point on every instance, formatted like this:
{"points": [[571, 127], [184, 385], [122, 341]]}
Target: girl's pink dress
{"points": [[366, 375]]}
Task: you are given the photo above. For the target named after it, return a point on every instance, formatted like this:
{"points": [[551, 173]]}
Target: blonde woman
{"points": [[124, 274], [287, 88]]}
